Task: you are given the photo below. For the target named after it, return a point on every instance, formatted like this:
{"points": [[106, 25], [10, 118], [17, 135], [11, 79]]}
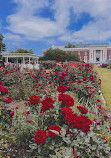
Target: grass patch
{"points": [[105, 76]]}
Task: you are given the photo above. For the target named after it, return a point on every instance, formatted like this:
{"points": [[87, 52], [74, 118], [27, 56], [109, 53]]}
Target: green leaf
{"points": [[58, 155], [82, 133], [68, 152], [53, 156], [67, 140], [63, 132], [33, 146]]}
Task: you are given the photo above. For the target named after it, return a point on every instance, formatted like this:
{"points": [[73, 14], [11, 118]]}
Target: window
{"points": [[110, 57], [78, 53], [85, 53], [85, 58], [110, 52], [91, 56]]}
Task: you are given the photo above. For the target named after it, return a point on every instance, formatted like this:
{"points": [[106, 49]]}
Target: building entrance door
{"points": [[97, 55]]}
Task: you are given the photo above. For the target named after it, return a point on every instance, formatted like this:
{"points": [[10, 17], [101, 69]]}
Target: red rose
{"points": [[53, 130], [66, 110], [11, 113], [40, 137], [58, 59], [3, 90], [89, 95], [8, 99], [1, 83], [34, 100], [62, 88], [78, 122], [98, 100], [66, 100], [79, 81], [74, 89], [29, 121], [105, 141], [82, 109], [47, 103], [84, 79], [27, 112]]}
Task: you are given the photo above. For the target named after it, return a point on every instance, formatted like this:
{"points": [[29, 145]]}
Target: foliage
{"points": [[70, 45], [2, 45], [19, 50], [61, 118], [104, 65], [54, 54]]}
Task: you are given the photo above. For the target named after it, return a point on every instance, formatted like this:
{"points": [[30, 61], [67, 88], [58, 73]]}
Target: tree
{"points": [[2, 45], [70, 45], [54, 54], [19, 50]]}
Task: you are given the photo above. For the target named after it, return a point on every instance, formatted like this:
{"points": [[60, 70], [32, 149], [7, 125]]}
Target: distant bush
{"points": [[104, 65], [54, 54]]}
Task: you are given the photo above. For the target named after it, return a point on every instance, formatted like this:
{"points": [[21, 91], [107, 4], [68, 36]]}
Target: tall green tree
{"points": [[53, 54], [2, 45]]}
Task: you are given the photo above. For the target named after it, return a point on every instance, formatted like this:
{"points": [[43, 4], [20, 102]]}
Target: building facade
{"points": [[24, 60], [91, 54]]}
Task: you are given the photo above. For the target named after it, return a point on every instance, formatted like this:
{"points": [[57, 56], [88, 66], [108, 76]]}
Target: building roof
{"points": [[80, 48], [20, 55]]}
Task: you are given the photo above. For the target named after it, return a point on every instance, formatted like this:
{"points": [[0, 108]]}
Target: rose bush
{"points": [[61, 118]]}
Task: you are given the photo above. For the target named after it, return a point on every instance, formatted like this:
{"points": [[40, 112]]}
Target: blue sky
{"points": [[39, 24]]}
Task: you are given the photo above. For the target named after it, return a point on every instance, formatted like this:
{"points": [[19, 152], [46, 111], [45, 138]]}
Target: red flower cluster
{"points": [[79, 122], [82, 109], [98, 100], [58, 59], [40, 137], [66, 111], [1, 83], [34, 100], [47, 103], [8, 99], [79, 81], [66, 100], [53, 130], [11, 113], [3, 90], [62, 88]]}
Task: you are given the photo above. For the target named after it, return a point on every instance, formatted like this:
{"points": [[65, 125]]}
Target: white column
{"points": [[101, 53], [29, 60], [37, 61], [23, 60], [94, 55], [17, 60], [6, 59]]}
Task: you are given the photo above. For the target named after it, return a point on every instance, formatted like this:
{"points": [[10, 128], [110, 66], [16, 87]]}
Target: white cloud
{"points": [[32, 27], [99, 28], [10, 36], [24, 22]]}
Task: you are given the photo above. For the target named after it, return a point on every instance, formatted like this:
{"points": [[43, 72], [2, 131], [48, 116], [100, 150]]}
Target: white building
{"points": [[25, 60]]}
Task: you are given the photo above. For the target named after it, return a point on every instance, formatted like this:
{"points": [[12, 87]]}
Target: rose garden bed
{"points": [[57, 113]]}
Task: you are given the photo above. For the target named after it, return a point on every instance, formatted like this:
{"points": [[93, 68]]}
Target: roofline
{"points": [[70, 49], [20, 54]]}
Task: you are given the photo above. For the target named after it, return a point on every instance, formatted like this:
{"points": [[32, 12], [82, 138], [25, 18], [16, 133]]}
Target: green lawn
{"points": [[105, 76]]}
